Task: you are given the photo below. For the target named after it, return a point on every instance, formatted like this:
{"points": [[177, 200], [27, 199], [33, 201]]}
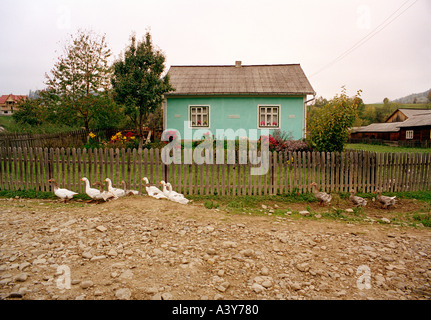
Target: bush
{"points": [[330, 125], [282, 141]]}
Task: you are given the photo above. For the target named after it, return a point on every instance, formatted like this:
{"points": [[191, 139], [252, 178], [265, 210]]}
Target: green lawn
{"points": [[7, 122], [383, 148]]}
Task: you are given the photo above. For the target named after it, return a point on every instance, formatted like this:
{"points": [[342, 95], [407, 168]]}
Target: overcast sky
{"points": [[392, 56]]}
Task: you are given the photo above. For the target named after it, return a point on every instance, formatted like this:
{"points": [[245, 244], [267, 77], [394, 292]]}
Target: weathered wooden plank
{"points": [[124, 166], [417, 171], [304, 172], [140, 176], [79, 187], [133, 184], [396, 172], [2, 168], [294, 182], [289, 172]]}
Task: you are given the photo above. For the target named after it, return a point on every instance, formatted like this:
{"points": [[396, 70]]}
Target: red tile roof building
{"points": [[8, 103]]}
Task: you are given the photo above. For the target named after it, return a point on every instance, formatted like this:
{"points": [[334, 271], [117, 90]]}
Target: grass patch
{"points": [[424, 218], [209, 204], [383, 148], [33, 194]]}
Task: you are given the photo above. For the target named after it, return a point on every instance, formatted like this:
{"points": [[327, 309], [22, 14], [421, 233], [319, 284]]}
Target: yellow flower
{"points": [[92, 135]]}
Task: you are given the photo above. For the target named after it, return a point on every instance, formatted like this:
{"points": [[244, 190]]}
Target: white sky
{"points": [[393, 63]]}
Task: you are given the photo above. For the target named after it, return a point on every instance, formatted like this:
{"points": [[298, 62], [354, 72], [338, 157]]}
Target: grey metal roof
{"points": [[412, 112], [417, 121], [416, 118], [380, 127], [285, 79]]}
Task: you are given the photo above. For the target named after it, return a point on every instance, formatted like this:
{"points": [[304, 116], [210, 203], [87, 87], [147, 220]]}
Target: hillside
{"points": [[420, 98]]}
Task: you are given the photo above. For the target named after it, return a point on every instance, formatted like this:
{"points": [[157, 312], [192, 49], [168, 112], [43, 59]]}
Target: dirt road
{"points": [[142, 248]]}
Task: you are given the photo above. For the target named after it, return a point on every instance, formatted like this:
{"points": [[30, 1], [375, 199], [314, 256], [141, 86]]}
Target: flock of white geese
{"points": [[100, 194], [111, 193]]}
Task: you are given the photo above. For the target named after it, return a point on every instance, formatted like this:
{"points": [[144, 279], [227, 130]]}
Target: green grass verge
{"points": [[33, 194], [282, 205], [383, 148]]}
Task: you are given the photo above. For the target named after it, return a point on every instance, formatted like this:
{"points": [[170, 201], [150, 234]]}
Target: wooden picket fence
{"points": [[71, 139], [31, 168], [34, 140]]}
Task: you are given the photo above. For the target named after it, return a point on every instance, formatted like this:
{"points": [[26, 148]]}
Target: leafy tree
{"points": [[330, 125], [383, 112], [319, 102], [79, 75], [30, 112], [368, 116], [138, 83], [107, 114]]}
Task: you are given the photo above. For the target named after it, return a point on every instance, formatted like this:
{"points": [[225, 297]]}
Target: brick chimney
{"points": [[238, 64]]}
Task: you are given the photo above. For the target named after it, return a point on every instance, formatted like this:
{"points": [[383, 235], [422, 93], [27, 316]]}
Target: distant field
{"points": [[382, 148], [402, 105]]}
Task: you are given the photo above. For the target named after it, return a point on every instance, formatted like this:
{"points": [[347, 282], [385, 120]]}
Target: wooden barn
{"points": [[404, 126], [377, 131], [416, 128]]}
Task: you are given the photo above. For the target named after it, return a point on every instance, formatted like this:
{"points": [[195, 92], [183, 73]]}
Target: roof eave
{"points": [[287, 94]]}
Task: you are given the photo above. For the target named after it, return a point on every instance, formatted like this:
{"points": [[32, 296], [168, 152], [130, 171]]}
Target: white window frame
{"points": [[259, 116], [410, 134], [191, 107]]}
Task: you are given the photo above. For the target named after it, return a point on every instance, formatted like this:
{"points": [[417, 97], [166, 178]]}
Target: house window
{"points": [[199, 116], [409, 134], [269, 116]]}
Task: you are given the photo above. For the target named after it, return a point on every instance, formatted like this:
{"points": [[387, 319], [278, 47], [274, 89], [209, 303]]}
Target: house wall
{"points": [[9, 106], [397, 117], [236, 113], [390, 136], [419, 133]]}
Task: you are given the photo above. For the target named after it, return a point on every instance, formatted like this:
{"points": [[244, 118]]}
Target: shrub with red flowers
{"points": [[281, 141], [123, 140]]}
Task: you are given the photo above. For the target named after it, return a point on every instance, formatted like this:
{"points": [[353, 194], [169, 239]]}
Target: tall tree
{"points": [[138, 83], [80, 74]]}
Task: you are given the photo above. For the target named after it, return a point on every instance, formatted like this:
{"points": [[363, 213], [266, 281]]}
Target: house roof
{"points": [[17, 98], [418, 120], [283, 79], [379, 127], [410, 112]]}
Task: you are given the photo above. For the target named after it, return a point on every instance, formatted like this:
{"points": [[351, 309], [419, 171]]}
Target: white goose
{"points": [[173, 195], [179, 196], [93, 193], [117, 191], [62, 193], [106, 195], [165, 190], [153, 191]]}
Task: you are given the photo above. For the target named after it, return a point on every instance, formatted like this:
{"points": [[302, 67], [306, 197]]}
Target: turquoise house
{"points": [[238, 99]]}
